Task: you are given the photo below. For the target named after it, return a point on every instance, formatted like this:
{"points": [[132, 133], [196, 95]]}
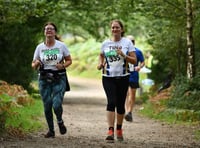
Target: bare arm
{"points": [[131, 57], [35, 64], [140, 65], [101, 61], [68, 62]]}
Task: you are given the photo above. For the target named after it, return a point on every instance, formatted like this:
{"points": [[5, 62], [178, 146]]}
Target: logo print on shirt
{"points": [[111, 53]]}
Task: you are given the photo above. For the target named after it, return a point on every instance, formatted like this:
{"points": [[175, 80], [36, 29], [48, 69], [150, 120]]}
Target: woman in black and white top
{"points": [[113, 61]]}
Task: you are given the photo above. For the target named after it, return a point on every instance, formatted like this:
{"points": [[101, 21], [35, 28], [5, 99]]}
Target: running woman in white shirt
{"points": [[52, 57], [113, 60]]}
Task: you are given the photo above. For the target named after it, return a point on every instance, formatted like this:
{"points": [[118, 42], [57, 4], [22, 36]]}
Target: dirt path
{"points": [[85, 117]]}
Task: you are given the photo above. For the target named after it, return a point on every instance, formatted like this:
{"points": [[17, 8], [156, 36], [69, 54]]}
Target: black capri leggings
{"points": [[116, 90]]}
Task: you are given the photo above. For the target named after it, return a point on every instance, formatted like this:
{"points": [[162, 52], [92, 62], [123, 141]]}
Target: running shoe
{"points": [[62, 128], [49, 134], [128, 117], [120, 135], [110, 137]]}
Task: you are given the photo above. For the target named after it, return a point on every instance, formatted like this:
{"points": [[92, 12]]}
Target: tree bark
{"points": [[190, 42]]}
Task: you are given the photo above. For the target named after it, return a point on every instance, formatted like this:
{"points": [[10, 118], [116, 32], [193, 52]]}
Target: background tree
{"points": [[20, 26], [161, 22], [167, 34], [190, 42]]}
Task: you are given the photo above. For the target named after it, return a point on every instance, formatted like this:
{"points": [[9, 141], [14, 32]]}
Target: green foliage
{"points": [[187, 115], [158, 110], [147, 110], [169, 38], [186, 93], [4, 109], [183, 105], [18, 110], [23, 116], [21, 23], [26, 118], [5, 98], [165, 32], [144, 97], [86, 23], [85, 57], [14, 57], [197, 134]]}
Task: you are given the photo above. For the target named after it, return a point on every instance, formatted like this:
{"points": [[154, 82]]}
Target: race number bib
{"points": [[111, 55], [131, 67], [51, 57]]}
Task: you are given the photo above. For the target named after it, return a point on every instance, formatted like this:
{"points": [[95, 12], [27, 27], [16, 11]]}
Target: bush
{"points": [[85, 56], [186, 93], [16, 108]]}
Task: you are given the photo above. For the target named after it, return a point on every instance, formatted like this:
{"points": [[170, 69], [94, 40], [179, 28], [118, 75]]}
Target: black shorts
{"points": [[134, 85], [116, 90]]}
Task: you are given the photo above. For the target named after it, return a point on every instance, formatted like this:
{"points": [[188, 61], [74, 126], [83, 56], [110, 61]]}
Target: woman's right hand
{"points": [[36, 64], [100, 66]]}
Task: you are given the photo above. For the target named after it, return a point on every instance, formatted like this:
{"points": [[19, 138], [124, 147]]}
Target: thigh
{"points": [[58, 88], [45, 90], [110, 89], [134, 85], [122, 89]]}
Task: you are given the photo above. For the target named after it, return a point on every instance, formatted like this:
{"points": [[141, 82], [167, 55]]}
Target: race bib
{"points": [[109, 53], [51, 57], [131, 67]]}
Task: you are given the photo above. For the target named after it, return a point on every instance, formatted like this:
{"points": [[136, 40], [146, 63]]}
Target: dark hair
{"points": [[56, 30], [121, 25], [133, 41]]}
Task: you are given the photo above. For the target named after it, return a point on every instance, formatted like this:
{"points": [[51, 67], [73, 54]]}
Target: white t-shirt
{"points": [[51, 56], [116, 65]]}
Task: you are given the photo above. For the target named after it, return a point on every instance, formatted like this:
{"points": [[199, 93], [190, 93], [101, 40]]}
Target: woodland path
{"points": [[85, 118]]}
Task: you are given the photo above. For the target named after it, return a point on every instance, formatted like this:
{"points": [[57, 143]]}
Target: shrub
{"points": [[186, 93]]}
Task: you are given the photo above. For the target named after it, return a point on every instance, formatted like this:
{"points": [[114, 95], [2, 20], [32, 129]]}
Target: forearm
{"points": [[68, 62], [131, 58], [101, 62], [142, 64], [35, 64]]}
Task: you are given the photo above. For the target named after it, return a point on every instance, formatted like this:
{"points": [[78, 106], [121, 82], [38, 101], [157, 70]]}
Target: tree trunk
{"points": [[190, 42]]}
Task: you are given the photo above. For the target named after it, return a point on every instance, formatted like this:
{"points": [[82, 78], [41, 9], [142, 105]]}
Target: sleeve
{"points": [[102, 47], [65, 50], [36, 55], [141, 57]]}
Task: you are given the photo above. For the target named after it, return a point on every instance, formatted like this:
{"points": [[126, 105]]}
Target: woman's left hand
{"points": [[119, 52], [60, 66]]}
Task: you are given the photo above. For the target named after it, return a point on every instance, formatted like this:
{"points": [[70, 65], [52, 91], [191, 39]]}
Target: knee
{"points": [[111, 107], [47, 105], [47, 109], [56, 106], [121, 110]]}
